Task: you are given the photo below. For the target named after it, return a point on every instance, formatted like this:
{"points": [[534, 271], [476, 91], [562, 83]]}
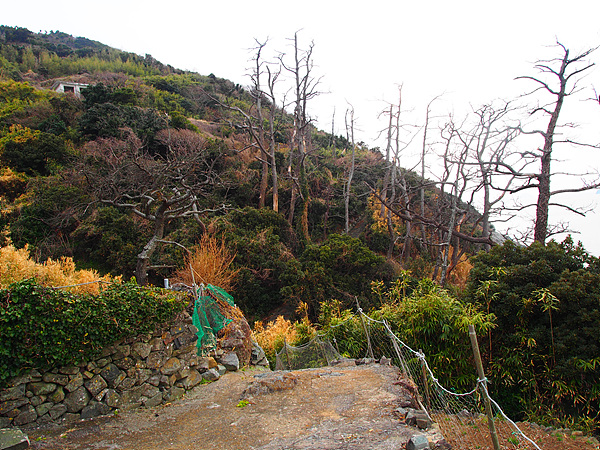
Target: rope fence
{"points": [[463, 417]]}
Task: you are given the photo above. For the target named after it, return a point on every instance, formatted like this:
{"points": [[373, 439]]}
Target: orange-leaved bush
{"points": [[209, 262]]}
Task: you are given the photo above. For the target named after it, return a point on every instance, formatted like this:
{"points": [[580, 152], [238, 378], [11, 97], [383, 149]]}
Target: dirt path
{"points": [[327, 408], [330, 408]]}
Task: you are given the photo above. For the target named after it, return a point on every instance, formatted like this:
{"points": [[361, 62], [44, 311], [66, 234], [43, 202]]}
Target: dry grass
{"points": [[12, 184], [210, 263], [17, 264], [476, 436], [272, 336]]}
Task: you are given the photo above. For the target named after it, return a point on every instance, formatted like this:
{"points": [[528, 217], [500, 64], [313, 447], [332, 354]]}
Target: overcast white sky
{"points": [[470, 51]]}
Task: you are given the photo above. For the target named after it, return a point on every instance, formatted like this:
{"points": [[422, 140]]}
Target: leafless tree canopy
{"points": [[556, 81], [156, 187]]}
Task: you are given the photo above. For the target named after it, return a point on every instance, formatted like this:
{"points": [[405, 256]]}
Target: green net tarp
{"points": [[208, 316]]}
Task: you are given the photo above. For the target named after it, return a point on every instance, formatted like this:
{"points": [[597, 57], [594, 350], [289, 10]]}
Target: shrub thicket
{"points": [[43, 327], [265, 262], [17, 265], [543, 357], [208, 262], [341, 267], [426, 317]]}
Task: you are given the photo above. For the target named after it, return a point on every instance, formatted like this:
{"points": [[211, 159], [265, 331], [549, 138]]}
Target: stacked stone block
{"points": [[145, 371]]}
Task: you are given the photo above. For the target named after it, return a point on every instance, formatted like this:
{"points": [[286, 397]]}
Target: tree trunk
{"points": [[485, 220], [386, 178], [264, 182], [350, 175], [143, 258], [543, 202], [292, 210], [390, 223], [274, 178], [305, 203], [422, 189]]}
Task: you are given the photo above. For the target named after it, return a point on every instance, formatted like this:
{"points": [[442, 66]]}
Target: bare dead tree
{"points": [[332, 141], [457, 177], [424, 149], [403, 184], [431, 222], [305, 88], [267, 158], [259, 135], [396, 189], [156, 188], [273, 75], [557, 80], [487, 141], [262, 134], [388, 149], [348, 185]]}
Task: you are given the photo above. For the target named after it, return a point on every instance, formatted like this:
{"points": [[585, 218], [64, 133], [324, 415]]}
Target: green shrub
{"points": [[109, 239], [43, 328], [47, 215], [342, 267], [433, 320], [267, 266], [543, 357], [37, 156]]}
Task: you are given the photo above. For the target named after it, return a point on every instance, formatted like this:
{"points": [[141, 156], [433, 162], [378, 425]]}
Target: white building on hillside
{"points": [[66, 87]]}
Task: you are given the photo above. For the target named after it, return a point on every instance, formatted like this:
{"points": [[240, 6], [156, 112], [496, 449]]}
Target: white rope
{"points": [[370, 318], [422, 357], [464, 396], [507, 418], [343, 322], [303, 346]]}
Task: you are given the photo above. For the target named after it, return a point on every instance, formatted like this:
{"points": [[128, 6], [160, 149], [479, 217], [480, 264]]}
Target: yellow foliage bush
{"points": [[460, 275], [272, 336], [17, 264]]}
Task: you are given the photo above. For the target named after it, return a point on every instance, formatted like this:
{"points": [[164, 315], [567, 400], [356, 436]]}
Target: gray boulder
{"points": [[211, 375], [13, 439], [77, 400], [417, 442], [95, 410], [231, 361]]}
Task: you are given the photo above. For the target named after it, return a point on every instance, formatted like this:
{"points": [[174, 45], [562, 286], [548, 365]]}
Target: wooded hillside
{"points": [[105, 176], [151, 166]]}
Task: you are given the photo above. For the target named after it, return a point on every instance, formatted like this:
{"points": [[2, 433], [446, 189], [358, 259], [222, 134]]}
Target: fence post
{"points": [[482, 381], [287, 354], [425, 382], [365, 328], [396, 348]]}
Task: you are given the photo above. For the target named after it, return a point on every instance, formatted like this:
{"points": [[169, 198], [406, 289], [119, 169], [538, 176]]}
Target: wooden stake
{"points": [[285, 346], [397, 350], [486, 399]]}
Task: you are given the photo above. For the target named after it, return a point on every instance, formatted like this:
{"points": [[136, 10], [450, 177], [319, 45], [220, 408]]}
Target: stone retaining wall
{"points": [[143, 371]]}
